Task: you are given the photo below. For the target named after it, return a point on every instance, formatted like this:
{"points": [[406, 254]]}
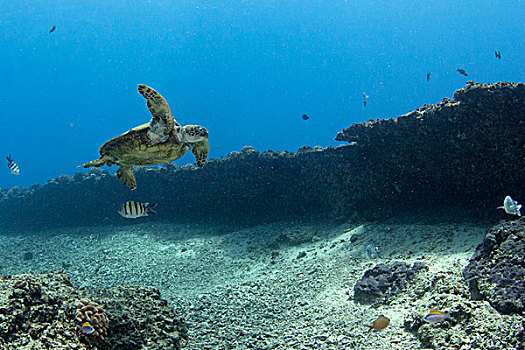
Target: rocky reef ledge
{"points": [[461, 155]]}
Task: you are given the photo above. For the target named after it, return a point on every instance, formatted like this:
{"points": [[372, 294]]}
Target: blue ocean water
{"points": [[246, 70]]}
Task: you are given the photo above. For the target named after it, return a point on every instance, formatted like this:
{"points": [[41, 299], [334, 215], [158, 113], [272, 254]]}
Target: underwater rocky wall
{"points": [[461, 155]]}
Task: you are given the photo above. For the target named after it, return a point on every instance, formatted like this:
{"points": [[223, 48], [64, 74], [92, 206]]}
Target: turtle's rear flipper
{"points": [[125, 174], [96, 163]]}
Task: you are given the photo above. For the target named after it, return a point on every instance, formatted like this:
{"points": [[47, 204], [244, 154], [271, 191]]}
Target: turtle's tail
{"points": [[95, 163]]}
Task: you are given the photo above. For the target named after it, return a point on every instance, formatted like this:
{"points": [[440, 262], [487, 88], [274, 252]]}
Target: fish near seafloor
{"points": [[52, 29], [511, 206], [428, 76], [87, 328], [435, 316], [462, 71], [133, 210], [365, 99], [13, 167], [381, 323], [373, 252]]}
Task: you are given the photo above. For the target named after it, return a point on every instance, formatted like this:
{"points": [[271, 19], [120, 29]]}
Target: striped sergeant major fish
{"points": [[133, 210], [13, 167]]}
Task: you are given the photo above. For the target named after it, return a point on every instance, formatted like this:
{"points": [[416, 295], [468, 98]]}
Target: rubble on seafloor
{"points": [[461, 155], [44, 311], [302, 282]]}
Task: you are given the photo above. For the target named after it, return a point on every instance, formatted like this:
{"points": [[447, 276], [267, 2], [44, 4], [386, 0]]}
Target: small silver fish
{"points": [[373, 252], [133, 210], [511, 206], [435, 316], [13, 167], [365, 99]]}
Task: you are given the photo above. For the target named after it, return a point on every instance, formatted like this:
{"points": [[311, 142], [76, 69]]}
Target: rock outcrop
{"points": [[385, 281], [462, 155], [496, 273]]}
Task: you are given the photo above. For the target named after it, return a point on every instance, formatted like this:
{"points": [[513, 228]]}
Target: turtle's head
{"points": [[193, 133]]}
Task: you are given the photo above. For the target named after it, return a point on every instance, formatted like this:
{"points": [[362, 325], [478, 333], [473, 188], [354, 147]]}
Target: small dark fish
{"points": [[462, 71], [397, 188], [305, 117], [365, 99], [52, 29], [428, 76], [13, 167], [498, 54]]}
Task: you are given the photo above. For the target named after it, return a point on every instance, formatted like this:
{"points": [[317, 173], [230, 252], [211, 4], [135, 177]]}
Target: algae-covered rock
{"points": [[385, 281], [496, 272]]}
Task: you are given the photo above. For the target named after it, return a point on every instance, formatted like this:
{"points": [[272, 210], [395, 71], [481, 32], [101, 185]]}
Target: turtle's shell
{"points": [[135, 148]]}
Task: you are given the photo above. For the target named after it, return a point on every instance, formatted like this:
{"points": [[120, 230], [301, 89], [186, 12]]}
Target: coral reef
{"points": [[140, 318], [385, 281], [28, 283], [496, 273], [92, 312], [462, 155], [45, 312]]}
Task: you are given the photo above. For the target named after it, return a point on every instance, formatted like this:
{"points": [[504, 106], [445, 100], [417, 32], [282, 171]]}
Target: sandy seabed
{"points": [[276, 286]]}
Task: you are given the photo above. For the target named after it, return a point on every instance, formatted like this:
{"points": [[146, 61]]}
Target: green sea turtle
{"points": [[159, 141]]}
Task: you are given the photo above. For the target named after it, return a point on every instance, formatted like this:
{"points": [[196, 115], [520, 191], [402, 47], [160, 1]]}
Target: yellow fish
{"points": [[87, 328], [381, 323], [435, 316]]}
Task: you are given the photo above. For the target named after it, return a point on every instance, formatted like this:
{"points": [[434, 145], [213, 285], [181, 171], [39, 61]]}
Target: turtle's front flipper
{"points": [[200, 150], [125, 174], [96, 163], [162, 122]]}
